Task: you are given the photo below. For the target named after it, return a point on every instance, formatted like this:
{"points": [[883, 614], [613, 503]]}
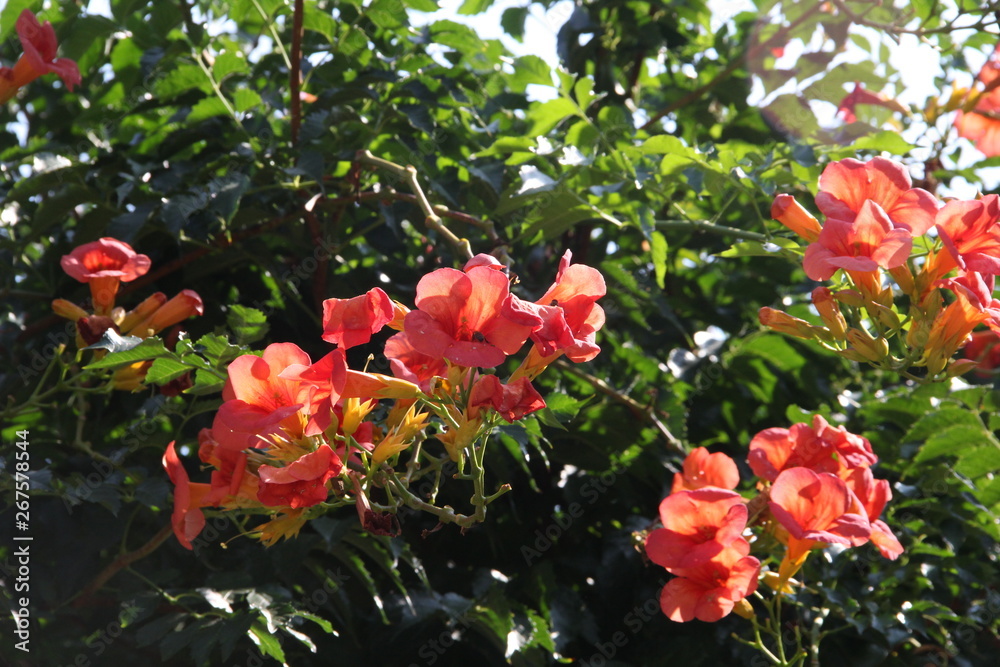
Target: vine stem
{"points": [[712, 228], [635, 406], [123, 561], [431, 218], [295, 73]]}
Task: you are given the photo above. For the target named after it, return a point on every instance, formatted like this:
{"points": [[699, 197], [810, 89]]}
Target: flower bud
{"points": [[782, 322], [790, 213], [152, 303], [961, 367], [829, 312], [872, 349], [68, 309], [850, 297]]}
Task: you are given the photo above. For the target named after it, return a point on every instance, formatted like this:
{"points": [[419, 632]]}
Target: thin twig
{"points": [[296, 70], [892, 28], [431, 218], [124, 561], [636, 407]]}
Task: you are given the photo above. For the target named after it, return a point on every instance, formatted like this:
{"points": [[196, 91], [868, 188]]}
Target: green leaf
{"points": [[205, 383], [248, 324], [979, 461], [547, 115], [151, 348], [218, 349], [164, 370], [8, 16], [663, 144], [472, 7], [226, 64], [387, 13], [512, 21], [658, 250], [245, 99], [265, 641], [207, 108], [528, 70], [954, 441], [886, 140], [777, 247]]}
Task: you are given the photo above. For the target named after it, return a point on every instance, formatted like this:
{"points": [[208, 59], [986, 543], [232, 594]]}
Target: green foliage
{"points": [[647, 159]]}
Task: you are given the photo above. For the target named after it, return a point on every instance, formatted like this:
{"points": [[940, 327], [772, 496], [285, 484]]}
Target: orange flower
{"points": [[829, 312], [782, 322], [697, 526], [981, 125], [816, 508], [709, 591], [859, 247], [186, 304], [566, 318], [820, 447], [702, 469], [950, 330], [187, 519], [970, 231], [350, 322], [511, 401], [301, 483], [845, 186], [984, 348], [39, 43], [103, 264], [873, 495]]}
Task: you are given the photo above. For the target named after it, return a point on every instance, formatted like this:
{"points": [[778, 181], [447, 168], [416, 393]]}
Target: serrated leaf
{"points": [[953, 441], [979, 461], [205, 383], [151, 348], [248, 324], [266, 642], [207, 108], [245, 99], [218, 349], [164, 370]]}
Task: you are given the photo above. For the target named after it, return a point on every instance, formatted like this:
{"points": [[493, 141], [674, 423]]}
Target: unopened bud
{"points": [[782, 322], [790, 213], [829, 312], [872, 349], [961, 367], [850, 297], [68, 309], [885, 316], [903, 277]]}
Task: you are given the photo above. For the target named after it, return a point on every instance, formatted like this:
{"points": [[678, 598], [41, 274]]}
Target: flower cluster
{"points": [[815, 488], [39, 43], [918, 275], [295, 437], [977, 119], [105, 264]]}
